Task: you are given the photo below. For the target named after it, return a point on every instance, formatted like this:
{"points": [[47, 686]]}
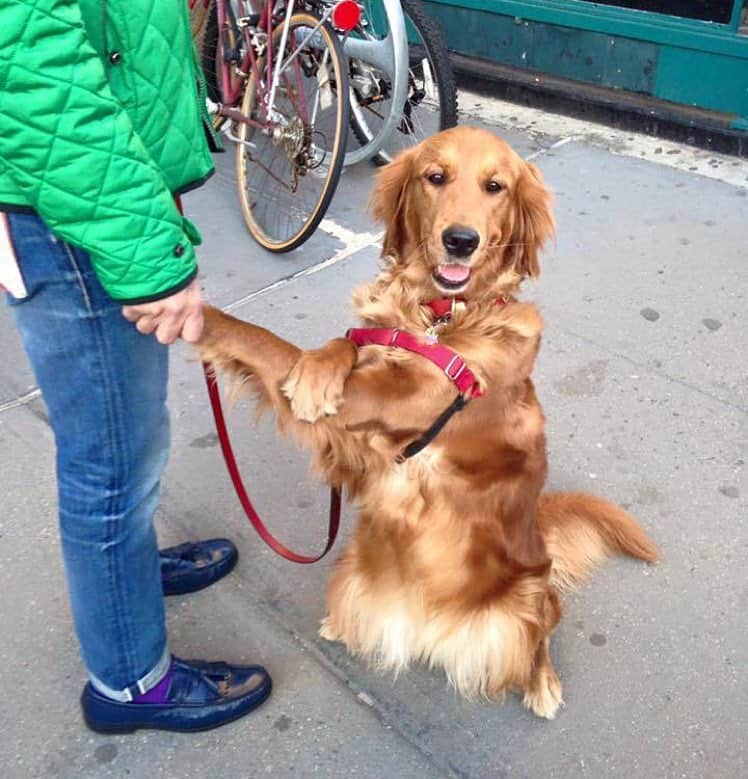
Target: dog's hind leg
{"points": [[327, 631], [543, 691], [344, 596]]}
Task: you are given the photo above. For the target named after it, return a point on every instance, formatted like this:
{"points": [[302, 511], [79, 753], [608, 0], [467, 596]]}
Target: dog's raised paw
{"points": [[315, 384]]}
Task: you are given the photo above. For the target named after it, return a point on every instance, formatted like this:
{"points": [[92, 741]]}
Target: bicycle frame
{"points": [[275, 69]]}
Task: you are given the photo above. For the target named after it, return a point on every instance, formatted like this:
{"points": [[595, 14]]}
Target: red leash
{"points": [[236, 478], [241, 492]]}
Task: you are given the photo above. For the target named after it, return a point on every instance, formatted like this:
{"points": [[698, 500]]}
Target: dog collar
{"points": [[444, 308]]}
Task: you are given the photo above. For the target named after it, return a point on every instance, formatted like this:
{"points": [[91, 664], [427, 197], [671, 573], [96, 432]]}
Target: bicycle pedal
{"points": [[219, 123]]}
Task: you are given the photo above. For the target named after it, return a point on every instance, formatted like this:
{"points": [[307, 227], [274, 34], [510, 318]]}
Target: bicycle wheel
{"points": [[210, 53], [288, 168], [198, 11], [431, 103]]}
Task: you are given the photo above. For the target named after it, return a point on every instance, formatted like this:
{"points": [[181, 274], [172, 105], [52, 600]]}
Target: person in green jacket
{"points": [[102, 125]]}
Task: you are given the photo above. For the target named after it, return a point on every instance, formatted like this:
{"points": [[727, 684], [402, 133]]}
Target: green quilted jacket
{"points": [[102, 122]]}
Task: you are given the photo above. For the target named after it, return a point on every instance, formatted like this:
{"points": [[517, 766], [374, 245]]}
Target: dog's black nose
{"points": [[460, 241]]}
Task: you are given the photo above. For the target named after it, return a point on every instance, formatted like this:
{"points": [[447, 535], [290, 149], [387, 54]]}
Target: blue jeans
{"points": [[104, 385]]}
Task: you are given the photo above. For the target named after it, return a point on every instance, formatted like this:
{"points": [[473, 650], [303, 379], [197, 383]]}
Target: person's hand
{"points": [[178, 316]]}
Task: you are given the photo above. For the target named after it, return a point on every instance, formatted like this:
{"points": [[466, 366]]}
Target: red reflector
{"points": [[346, 15]]}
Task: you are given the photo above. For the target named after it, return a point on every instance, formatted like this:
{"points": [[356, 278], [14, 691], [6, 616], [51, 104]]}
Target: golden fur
{"points": [[457, 560]]}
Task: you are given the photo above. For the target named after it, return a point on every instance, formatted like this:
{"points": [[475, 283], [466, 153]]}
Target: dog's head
{"points": [[462, 210]]}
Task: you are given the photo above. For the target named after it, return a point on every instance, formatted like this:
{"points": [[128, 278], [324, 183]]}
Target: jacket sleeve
{"points": [[70, 146]]}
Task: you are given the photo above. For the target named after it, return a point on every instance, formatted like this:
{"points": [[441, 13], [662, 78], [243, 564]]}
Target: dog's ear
{"points": [[388, 202], [532, 221]]}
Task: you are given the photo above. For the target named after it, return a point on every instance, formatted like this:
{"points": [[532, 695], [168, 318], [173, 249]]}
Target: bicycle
{"points": [[198, 11], [278, 88], [390, 110]]}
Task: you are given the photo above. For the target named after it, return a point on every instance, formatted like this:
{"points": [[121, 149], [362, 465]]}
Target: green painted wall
{"points": [[703, 79], [563, 51], [681, 60]]}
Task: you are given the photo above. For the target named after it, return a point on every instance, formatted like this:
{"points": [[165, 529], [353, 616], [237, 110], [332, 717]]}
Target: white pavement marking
{"points": [[20, 401], [556, 145], [352, 243], [349, 237], [537, 123]]}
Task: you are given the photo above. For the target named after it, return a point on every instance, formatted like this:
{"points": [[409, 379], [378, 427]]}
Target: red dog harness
{"points": [[454, 367], [450, 362]]}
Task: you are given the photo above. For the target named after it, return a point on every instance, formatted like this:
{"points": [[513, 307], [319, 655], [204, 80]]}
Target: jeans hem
{"points": [[145, 683]]}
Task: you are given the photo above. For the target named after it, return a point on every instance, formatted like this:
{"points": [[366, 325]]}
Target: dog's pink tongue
{"points": [[455, 273]]}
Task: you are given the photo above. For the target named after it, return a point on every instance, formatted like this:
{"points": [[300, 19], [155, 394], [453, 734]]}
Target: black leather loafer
{"points": [[201, 696], [192, 566]]}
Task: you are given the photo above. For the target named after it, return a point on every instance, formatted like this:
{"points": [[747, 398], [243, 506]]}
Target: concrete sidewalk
{"points": [[643, 380]]}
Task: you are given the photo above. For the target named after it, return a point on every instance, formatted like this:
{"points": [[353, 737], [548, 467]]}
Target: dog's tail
{"points": [[581, 530]]}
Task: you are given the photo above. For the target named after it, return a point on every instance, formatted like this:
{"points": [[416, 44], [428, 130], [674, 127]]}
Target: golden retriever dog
{"points": [[457, 559]]}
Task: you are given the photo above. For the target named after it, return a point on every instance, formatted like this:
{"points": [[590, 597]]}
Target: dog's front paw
{"points": [[544, 694], [315, 384]]}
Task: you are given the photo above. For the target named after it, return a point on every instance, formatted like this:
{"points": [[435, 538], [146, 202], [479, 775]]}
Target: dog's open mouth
{"points": [[452, 277]]}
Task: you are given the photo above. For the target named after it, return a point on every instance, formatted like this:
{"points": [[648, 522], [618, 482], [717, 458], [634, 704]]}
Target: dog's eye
{"points": [[436, 178], [494, 186]]}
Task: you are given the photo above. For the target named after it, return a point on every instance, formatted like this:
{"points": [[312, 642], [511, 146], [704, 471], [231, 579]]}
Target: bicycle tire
{"points": [[318, 210], [438, 57], [198, 14], [209, 53]]}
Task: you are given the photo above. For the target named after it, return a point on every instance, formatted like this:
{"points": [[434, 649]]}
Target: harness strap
{"points": [[421, 443], [450, 362]]}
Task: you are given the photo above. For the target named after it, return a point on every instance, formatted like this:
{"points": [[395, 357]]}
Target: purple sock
{"points": [[158, 693]]}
